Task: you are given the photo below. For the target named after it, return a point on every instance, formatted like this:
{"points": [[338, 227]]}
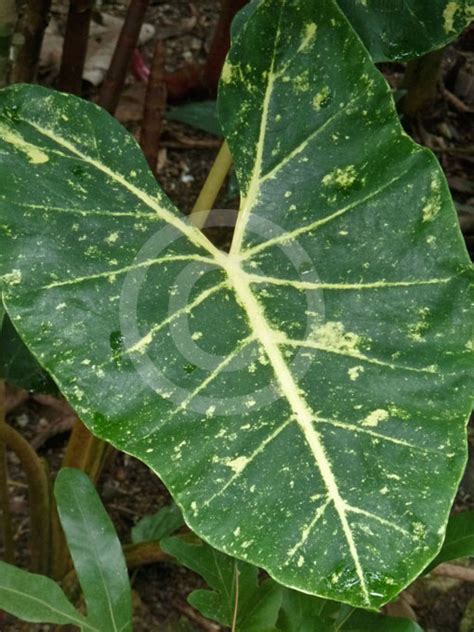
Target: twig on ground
{"points": [[463, 573], [194, 616], [456, 102]]}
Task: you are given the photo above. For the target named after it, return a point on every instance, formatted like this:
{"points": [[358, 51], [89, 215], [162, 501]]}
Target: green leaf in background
{"points": [[37, 599], [268, 606], [459, 540], [159, 525], [404, 29], [96, 552], [305, 613], [18, 365], [201, 115], [305, 398], [397, 30], [361, 621], [234, 584]]}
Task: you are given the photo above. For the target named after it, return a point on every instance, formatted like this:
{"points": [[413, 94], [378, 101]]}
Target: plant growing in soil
{"points": [[303, 396], [98, 561]]}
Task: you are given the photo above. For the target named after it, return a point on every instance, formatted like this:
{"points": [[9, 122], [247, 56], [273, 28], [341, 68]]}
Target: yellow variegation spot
{"points": [[343, 177], [35, 155], [237, 464], [375, 417], [321, 98], [112, 238], [332, 335], [309, 36], [355, 372], [448, 16], [434, 202]]}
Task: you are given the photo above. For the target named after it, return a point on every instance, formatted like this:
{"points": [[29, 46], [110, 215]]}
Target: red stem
{"points": [[127, 42], [221, 43], [202, 81], [75, 46]]}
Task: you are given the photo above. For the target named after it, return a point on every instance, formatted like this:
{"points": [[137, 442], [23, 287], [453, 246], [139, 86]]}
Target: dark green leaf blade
{"points": [[235, 587], [202, 115], [36, 599], [365, 207], [96, 552], [159, 525], [18, 365], [361, 621], [316, 465], [459, 540], [303, 613], [405, 29]]}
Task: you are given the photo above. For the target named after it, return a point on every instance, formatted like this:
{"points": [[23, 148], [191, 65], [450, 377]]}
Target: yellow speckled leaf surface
{"points": [[405, 29], [303, 398]]}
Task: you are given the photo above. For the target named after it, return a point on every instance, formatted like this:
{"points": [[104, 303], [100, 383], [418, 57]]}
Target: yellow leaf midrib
{"points": [[302, 413]]}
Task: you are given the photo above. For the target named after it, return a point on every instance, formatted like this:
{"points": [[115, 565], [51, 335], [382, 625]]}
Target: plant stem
{"points": [[212, 186], [198, 80], [75, 46], [7, 26], [115, 78], [220, 43], [39, 500], [5, 513], [32, 27], [421, 82], [85, 452], [236, 599], [155, 105], [144, 553], [185, 82]]}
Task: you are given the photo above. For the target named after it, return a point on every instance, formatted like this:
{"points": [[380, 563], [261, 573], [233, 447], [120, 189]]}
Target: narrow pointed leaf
{"points": [[36, 599], [304, 399], [96, 552], [404, 29]]}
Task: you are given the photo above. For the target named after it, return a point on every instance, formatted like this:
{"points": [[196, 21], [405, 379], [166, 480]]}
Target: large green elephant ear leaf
{"points": [[404, 29], [304, 399]]}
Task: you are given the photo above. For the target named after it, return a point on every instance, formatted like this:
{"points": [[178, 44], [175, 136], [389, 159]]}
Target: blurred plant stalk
{"points": [[8, 18]]}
